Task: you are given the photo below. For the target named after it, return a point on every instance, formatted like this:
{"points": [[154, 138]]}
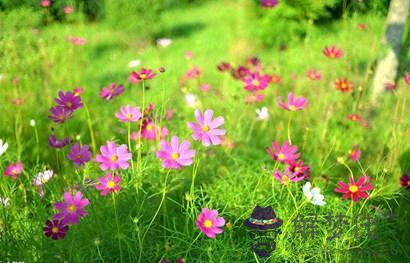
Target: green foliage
{"points": [[13, 18]]}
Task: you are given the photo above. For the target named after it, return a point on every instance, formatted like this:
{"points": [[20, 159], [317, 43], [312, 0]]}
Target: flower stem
{"points": [[291, 194], [129, 146], [90, 128], [118, 227], [37, 145], [139, 159], [289, 121]]}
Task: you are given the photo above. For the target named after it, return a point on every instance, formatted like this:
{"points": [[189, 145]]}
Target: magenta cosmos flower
{"points": [[79, 155], [209, 223], [144, 74], [255, 81], [150, 131], [313, 74], [108, 183], [55, 143], [113, 157], [284, 154], [68, 101], [354, 190], [293, 103], [302, 171], [405, 181], [269, 3], [113, 90], [55, 229], [406, 78], [175, 155], [333, 52], [128, 114], [14, 170], [59, 114], [355, 154], [72, 209], [287, 177], [206, 128]]}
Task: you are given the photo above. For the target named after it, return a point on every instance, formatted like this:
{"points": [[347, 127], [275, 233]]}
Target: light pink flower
{"points": [[14, 170], [128, 114], [113, 157], [108, 183], [175, 155], [206, 128], [209, 223], [293, 103]]}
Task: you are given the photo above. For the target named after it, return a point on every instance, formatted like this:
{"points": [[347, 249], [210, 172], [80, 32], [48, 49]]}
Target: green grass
{"points": [[232, 181]]}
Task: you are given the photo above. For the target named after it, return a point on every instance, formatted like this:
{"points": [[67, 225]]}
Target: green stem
{"points": [[129, 146], [38, 144], [291, 194], [139, 161], [90, 128], [289, 121], [118, 226]]}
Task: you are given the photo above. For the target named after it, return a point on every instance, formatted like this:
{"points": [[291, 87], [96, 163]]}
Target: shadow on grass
{"points": [[182, 30]]}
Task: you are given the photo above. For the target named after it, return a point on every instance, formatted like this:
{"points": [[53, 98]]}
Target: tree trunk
{"points": [[386, 70]]}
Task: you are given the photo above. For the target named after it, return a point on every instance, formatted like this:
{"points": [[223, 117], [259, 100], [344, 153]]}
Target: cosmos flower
{"points": [[78, 91], [361, 26], [68, 101], [14, 170], [113, 157], [355, 154], [405, 181], [113, 90], [354, 117], [55, 143], [293, 103], [262, 114], [269, 3], [43, 177], [253, 61], [354, 190], [390, 86], [343, 85], [108, 183], [191, 100], [255, 81], [150, 131], [72, 209], [313, 195], [55, 229], [239, 72], [313, 74], [209, 223], [297, 167], [4, 201], [223, 66], [333, 52], [164, 42], [59, 114], [3, 147], [76, 41], [406, 78], [68, 9], [206, 128], [254, 98], [284, 154], [128, 114], [286, 177], [193, 73], [204, 87], [45, 3], [276, 79], [79, 155], [144, 74], [175, 155]]}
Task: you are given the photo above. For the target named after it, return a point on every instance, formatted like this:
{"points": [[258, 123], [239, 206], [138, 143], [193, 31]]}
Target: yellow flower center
{"points": [[69, 104], [285, 179], [78, 156], [175, 156], [281, 156], [143, 76], [129, 116], [343, 85], [71, 208], [205, 128], [255, 82], [332, 55], [292, 107], [297, 169], [408, 182], [110, 184], [353, 188], [208, 223], [149, 127], [54, 230], [114, 158], [14, 171], [61, 117]]}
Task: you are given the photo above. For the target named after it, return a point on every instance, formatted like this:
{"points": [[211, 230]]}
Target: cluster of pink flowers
{"points": [[113, 90], [14, 170], [143, 75], [67, 103]]}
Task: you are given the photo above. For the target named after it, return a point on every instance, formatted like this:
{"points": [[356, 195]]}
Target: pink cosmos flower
{"points": [[72, 209], [223, 66], [68, 101], [76, 41], [276, 79], [361, 26], [175, 155], [59, 114], [205, 87], [287, 177], [390, 86], [108, 93], [79, 155], [313, 74], [206, 128], [144, 74], [108, 183], [68, 10], [269, 3], [406, 78], [333, 52], [150, 131], [55, 143], [128, 114], [254, 98], [209, 223], [14, 170], [255, 81], [405, 181], [113, 157], [354, 190], [293, 103], [78, 91], [297, 167], [239, 72], [45, 3], [283, 154], [355, 154]]}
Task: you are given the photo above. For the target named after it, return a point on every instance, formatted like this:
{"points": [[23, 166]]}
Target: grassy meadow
{"points": [[153, 217]]}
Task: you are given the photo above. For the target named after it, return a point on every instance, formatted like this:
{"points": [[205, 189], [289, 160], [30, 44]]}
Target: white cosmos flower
{"points": [[43, 177], [191, 100], [262, 114], [313, 195], [164, 42], [3, 147], [134, 63], [4, 201]]}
